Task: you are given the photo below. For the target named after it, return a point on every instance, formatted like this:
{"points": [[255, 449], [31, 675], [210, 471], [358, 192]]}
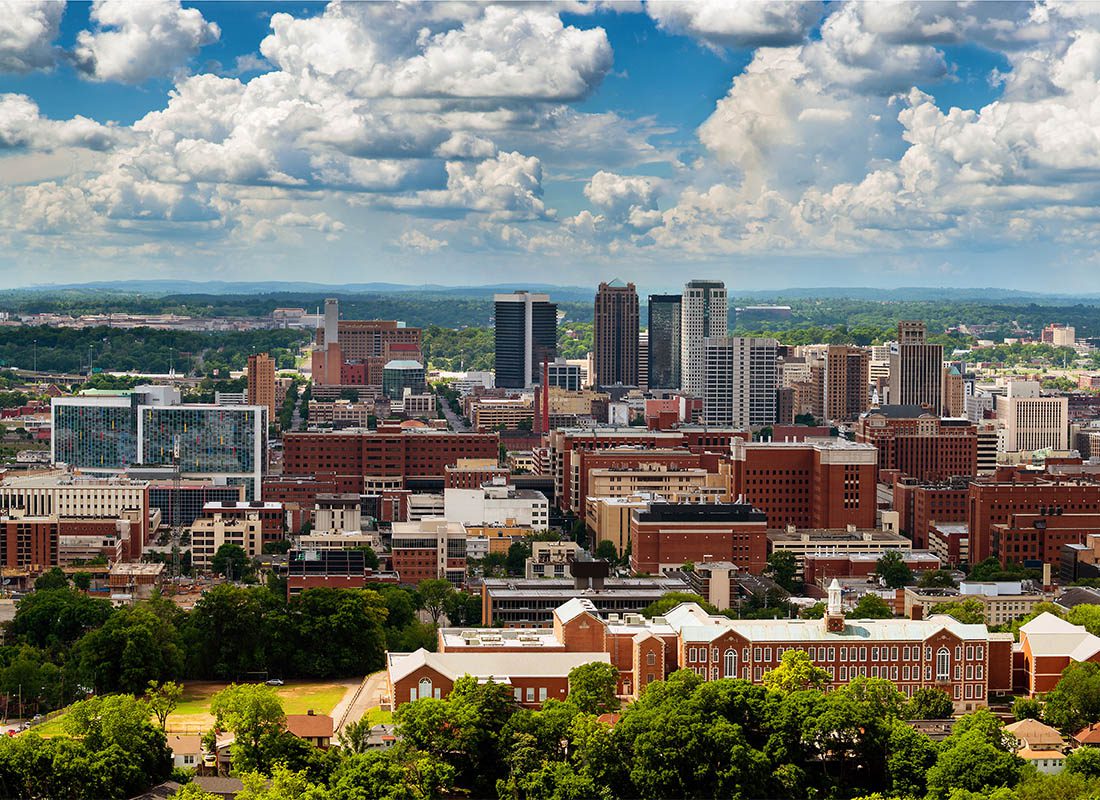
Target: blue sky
{"points": [[769, 144]]}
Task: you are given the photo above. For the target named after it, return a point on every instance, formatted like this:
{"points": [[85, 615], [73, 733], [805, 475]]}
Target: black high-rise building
{"points": [[526, 334], [664, 341]]}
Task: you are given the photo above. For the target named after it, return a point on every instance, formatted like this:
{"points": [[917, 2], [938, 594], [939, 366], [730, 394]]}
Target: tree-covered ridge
{"points": [[143, 349]]}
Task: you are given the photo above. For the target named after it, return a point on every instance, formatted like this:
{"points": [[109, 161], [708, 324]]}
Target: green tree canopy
{"points": [[1075, 700], [893, 570], [230, 560], [928, 702], [871, 606], [796, 672], [593, 687]]}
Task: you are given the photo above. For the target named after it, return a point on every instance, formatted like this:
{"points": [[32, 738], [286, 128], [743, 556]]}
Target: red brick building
{"points": [[368, 460], [28, 543], [920, 504], [1010, 513], [820, 568], [298, 495], [816, 484], [966, 661], [471, 477], [666, 535], [1049, 645], [920, 444], [565, 445]]}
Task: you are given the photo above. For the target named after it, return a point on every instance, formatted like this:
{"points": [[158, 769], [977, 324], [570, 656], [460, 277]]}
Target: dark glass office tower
{"points": [[526, 334], [664, 341]]}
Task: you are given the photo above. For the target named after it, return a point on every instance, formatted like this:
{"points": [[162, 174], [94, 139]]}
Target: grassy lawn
{"points": [[193, 712], [52, 728], [378, 716], [298, 698]]}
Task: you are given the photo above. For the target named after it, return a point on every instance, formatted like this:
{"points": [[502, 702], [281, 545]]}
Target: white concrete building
{"points": [[703, 313], [497, 504], [1032, 422], [740, 381]]}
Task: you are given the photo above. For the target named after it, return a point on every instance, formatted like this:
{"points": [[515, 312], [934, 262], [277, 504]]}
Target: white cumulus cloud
{"points": [[135, 41], [27, 31]]}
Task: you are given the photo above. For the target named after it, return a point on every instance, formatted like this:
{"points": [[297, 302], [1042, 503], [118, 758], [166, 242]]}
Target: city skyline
{"points": [[765, 145]]}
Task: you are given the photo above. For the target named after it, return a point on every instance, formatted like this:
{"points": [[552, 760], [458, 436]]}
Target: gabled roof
{"points": [[309, 726], [1089, 735], [498, 667], [1036, 735], [1049, 635], [571, 609]]}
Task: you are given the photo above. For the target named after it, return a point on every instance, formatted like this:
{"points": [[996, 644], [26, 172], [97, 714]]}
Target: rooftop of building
{"points": [[70, 480], [835, 535], [700, 512], [137, 569], [920, 556], [1048, 635], [243, 505], [403, 363], [899, 411], [1036, 734], [309, 726], [558, 587], [459, 638], [497, 667]]}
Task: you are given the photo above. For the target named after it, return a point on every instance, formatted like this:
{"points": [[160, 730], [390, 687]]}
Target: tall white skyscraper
{"points": [[740, 381], [703, 313]]}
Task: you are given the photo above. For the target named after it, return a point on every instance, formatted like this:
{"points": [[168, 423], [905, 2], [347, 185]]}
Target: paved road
{"points": [[374, 692], [453, 419]]}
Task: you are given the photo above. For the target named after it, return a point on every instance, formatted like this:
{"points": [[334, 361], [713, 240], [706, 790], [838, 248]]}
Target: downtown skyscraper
{"points": [[615, 334], [916, 369], [526, 334], [703, 314], [664, 341]]}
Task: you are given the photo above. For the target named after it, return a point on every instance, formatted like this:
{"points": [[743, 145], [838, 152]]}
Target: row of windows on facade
{"points": [[972, 691], [857, 653]]}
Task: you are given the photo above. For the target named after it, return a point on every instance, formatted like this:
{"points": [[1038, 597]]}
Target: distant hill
{"points": [[562, 293]]}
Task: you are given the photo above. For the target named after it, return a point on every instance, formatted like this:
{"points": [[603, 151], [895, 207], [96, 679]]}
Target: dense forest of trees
{"points": [[63, 642], [144, 349]]}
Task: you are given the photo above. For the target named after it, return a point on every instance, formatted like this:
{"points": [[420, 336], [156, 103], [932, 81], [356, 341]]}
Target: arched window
{"points": [[943, 664], [651, 658], [425, 687], [730, 667]]}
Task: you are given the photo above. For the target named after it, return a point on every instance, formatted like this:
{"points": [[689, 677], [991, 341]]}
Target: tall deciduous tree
{"points": [[433, 596], [250, 712], [796, 672], [929, 703], [893, 570], [592, 687], [162, 699]]}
